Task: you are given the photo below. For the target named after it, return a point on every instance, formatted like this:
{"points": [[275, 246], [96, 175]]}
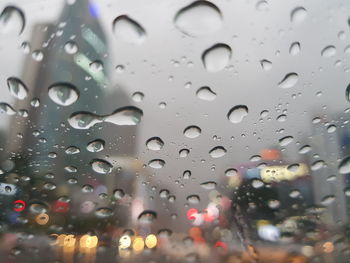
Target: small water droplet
{"points": [[217, 152], [328, 51], [210, 185], [12, 21], [96, 145], [192, 132], [101, 166], [331, 128], [294, 48], [205, 93], [103, 212], [128, 30], [327, 200], [186, 174], [156, 163], [72, 150], [6, 108], [154, 144], [147, 217], [217, 57], [193, 199], [118, 194], [138, 96], [266, 64], [285, 140], [199, 18], [305, 149], [184, 153], [289, 81], [231, 172], [37, 55], [298, 15], [237, 113], [70, 47], [17, 88], [317, 165], [63, 94], [344, 166]]}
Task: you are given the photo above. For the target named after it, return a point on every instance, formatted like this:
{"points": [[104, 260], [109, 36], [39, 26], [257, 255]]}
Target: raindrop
{"points": [[285, 140], [49, 186], [186, 174], [154, 144], [103, 212], [205, 93], [6, 108], [147, 217], [156, 163], [294, 48], [118, 194], [70, 47], [63, 94], [304, 149], [231, 172], [101, 166], [293, 167], [217, 57], [347, 93], [331, 128], [327, 200], [71, 169], [12, 21], [17, 88], [344, 166], [317, 165], [192, 132], [298, 15], [274, 204], [347, 191], [328, 51], [257, 183], [262, 6], [37, 55], [217, 152], [164, 193], [193, 199], [138, 96], [289, 81], [96, 66], [128, 30], [38, 208], [210, 185], [184, 153], [266, 64], [84, 120], [199, 18], [294, 193], [72, 150], [237, 113], [96, 145]]}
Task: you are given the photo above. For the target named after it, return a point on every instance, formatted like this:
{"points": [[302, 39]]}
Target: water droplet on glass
{"points": [[63, 94], [210, 185], [186, 174], [305, 149], [103, 212], [317, 165], [237, 113], [262, 6], [217, 57], [147, 217], [217, 152], [138, 96], [12, 21], [164, 193], [294, 48], [184, 153], [154, 144], [72, 150], [298, 15], [199, 18], [37, 55], [35, 102], [156, 163], [285, 140], [17, 88], [118, 194], [231, 172], [347, 191], [96, 66], [205, 93], [71, 169], [192, 132], [193, 199], [328, 51], [128, 30], [327, 200], [6, 108], [266, 64], [344, 166], [289, 81], [331, 128], [101, 166], [70, 47], [96, 145]]}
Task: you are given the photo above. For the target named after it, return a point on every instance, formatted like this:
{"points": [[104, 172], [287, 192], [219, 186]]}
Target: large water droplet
{"points": [[96, 145], [122, 116], [217, 152], [11, 20], [199, 18], [17, 88], [128, 30], [205, 93], [237, 113], [344, 166], [156, 163], [294, 48], [6, 108], [155, 143], [101, 166], [328, 51], [63, 94], [192, 132], [217, 57], [289, 81], [298, 15]]}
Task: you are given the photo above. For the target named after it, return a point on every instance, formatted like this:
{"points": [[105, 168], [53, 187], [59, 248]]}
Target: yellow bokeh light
{"points": [[42, 219], [328, 247], [87, 241], [124, 242], [151, 241], [138, 245]]}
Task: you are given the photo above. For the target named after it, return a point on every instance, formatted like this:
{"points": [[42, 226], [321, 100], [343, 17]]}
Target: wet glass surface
{"points": [[175, 131]]}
